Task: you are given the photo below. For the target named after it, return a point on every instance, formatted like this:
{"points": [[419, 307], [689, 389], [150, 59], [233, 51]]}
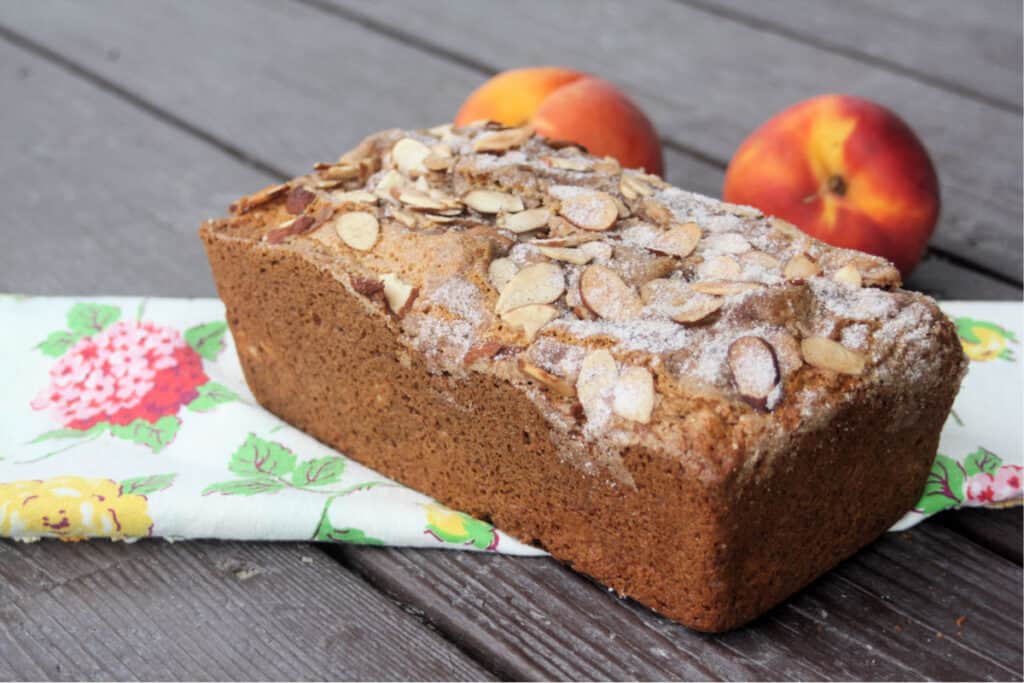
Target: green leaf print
{"points": [[982, 460], [57, 343], [72, 433], [328, 534], [207, 339], [945, 486], [319, 472], [156, 435], [211, 395], [245, 487], [88, 319], [261, 458], [144, 486]]}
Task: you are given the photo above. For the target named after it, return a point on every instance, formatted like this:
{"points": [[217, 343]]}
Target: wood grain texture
{"points": [[1002, 531], [970, 48], [205, 611], [889, 613], [708, 82]]}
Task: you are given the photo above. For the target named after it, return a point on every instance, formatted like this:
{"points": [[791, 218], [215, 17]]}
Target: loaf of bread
{"points": [[695, 404]]}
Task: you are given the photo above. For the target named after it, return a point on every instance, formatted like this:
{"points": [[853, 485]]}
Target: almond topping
{"points": [[597, 377], [420, 200], [531, 318], [249, 203], [607, 295], [389, 181], [491, 201], [696, 308], [822, 352], [728, 242], [437, 162], [398, 294], [801, 267], [487, 350], [297, 199], [406, 218], [632, 187], [849, 276], [502, 140], [679, 240], [539, 283], [724, 287], [341, 172], [295, 226], [568, 254], [549, 380], [408, 155], [357, 196], [565, 164], [633, 397], [590, 210], [760, 258], [358, 229], [721, 268], [525, 221], [755, 371], [500, 272]]}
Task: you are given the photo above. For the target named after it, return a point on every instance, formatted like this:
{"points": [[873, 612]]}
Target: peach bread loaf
{"points": [[695, 404]]}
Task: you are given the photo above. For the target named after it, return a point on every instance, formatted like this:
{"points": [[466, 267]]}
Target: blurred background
{"points": [[125, 124]]}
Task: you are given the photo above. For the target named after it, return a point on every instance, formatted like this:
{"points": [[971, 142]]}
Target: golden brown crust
{"points": [[597, 403]]}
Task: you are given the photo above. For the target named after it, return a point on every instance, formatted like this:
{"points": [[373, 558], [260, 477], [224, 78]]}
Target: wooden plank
{"points": [[707, 82], [205, 611], [1002, 531], [877, 616], [108, 198], [969, 48]]}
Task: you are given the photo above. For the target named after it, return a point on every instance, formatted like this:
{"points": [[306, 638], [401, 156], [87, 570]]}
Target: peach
{"points": [[568, 105], [844, 170]]}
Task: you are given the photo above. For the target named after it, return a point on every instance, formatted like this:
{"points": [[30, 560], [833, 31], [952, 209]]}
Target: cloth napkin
{"points": [[124, 418]]}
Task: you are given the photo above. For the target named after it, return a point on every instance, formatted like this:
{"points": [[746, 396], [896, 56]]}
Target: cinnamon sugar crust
{"points": [[696, 404]]}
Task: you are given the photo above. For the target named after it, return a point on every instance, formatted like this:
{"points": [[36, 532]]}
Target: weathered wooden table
{"points": [[123, 125]]}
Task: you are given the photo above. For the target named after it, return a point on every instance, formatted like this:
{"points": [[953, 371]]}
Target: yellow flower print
{"points": [[457, 527], [72, 508], [985, 341]]}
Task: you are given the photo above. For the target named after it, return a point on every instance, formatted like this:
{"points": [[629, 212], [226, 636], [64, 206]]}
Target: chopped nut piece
{"points": [[849, 276], [679, 240], [607, 295], [408, 155], [728, 242], [539, 283], [525, 221], [724, 287], [801, 267], [549, 380], [367, 286], [531, 318], [358, 229], [500, 272], [492, 201], [755, 370], [486, 350], [502, 140], [399, 295], [568, 254], [822, 352], [721, 268], [633, 396], [597, 377], [246, 204], [695, 309], [590, 210]]}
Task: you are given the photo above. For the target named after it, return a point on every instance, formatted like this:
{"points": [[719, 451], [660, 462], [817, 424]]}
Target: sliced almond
{"points": [[849, 276], [406, 218], [492, 201], [605, 293], [590, 210], [420, 200], [525, 221], [762, 259], [822, 352], [399, 295], [609, 165], [786, 228], [755, 370], [246, 204], [801, 267], [679, 240], [358, 229], [724, 287], [568, 254], [787, 352], [484, 351], [721, 268], [632, 187], [531, 318], [598, 374], [633, 396], [696, 308], [295, 226], [657, 212], [408, 155], [565, 239], [502, 140], [500, 272], [341, 172], [367, 286], [437, 162], [568, 164], [539, 283], [297, 199], [663, 290], [356, 196], [551, 381], [728, 242], [388, 182]]}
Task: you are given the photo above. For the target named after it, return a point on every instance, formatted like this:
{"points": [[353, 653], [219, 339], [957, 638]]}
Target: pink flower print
{"points": [[129, 371], [1003, 486]]}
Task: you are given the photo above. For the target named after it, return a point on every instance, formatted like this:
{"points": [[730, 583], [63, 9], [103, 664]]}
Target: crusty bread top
{"points": [[631, 312]]}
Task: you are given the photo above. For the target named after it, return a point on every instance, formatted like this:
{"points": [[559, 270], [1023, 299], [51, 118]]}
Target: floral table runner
{"points": [[124, 418]]}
